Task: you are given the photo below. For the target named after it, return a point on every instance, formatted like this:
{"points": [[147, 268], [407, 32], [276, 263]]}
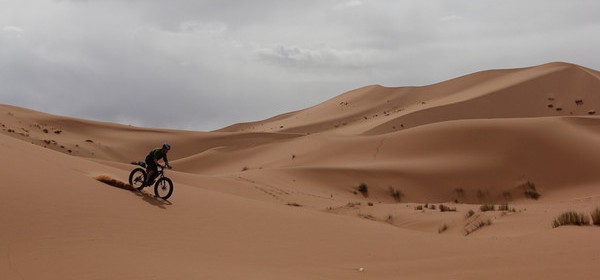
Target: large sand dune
{"points": [[279, 199]]}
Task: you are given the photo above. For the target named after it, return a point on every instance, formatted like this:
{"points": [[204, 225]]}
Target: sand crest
{"points": [[462, 179]]}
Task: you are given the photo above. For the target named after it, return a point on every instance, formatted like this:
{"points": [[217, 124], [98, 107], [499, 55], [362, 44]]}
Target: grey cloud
{"points": [[208, 64]]}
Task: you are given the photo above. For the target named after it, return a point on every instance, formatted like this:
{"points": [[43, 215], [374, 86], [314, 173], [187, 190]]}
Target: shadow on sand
{"points": [[150, 198]]}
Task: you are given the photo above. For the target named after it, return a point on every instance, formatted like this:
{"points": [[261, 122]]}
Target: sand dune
{"points": [[280, 199]]}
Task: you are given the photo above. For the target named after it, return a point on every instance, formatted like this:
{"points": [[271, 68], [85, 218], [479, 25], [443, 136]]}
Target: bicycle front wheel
{"points": [[163, 188]]}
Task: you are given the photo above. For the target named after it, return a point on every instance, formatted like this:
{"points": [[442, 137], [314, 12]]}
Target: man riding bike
{"points": [[152, 161]]}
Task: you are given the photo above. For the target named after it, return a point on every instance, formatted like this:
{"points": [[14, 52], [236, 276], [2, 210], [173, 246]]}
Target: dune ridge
{"points": [[280, 198]]}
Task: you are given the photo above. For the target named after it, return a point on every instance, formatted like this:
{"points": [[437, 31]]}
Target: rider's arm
{"points": [[166, 161]]}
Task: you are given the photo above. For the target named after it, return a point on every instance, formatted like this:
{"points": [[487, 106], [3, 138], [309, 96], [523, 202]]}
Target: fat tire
{"points": [[133, 174], [169, 184]]}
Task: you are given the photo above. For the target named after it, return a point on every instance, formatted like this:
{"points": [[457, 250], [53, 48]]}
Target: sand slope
{"points": [[278, 199]]}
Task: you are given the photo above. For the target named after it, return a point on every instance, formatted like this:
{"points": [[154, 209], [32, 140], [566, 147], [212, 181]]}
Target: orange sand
{"points": [[278, 199]]}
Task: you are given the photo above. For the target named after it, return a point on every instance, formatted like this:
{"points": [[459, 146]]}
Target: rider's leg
{"points": [[149, 175]]}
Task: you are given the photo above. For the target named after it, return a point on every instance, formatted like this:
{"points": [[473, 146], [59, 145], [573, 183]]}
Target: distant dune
{"points": [[358, 181]]}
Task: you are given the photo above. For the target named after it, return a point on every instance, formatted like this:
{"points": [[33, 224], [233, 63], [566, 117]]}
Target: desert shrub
{"points": [[460, 192], [469, 214], [419, 207], [487, 207], [396, 194], [294, 204], [503, 207], [530, 191], [480, 194], [476, 226], [571, 218], [363, 188], [432, 206], [507, 196], [596, 216], [443, 228], [444, 208]]}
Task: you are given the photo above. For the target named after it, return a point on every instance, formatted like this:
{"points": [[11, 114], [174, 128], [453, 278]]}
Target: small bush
{"points": [[396, 194], [363, 188], [444, 208], [507, 196], [476, 226], [530, 191], [419, 207], [571, 218], [487, 207], [503, 207], [469, 214], [596, 217], [460, 192], [481, 194], [443, 228]]}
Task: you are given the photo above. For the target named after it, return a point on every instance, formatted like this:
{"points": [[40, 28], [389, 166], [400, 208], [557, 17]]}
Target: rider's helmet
{"points": [[166, 146]]}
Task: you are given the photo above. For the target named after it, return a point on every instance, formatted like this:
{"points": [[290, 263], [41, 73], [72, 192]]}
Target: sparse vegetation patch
{"points": [[530, 191], [596, 216], [505, 207], [363, 188], [571, 218], [472, 227], [444, 208], [487, 207], [470, 214], [396, 194], [443, 228]]}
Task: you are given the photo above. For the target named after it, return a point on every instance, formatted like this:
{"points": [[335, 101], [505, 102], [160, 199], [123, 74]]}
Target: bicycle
{"points": [[163, 187]]}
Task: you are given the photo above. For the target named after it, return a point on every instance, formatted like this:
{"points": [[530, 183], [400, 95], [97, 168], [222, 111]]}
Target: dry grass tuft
{"points": [[443, 228], [472, 227], [469, 214], [571, 218], [444, 208], [596, 216], [486, 207], [530, 191], [396, 194], [363, 188]]}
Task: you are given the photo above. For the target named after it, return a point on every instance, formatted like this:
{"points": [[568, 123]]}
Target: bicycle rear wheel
{"points": [[163, 188], [137, 177]]}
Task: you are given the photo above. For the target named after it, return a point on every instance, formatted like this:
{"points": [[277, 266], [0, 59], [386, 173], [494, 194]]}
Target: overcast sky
{"points": [[206, 64]]}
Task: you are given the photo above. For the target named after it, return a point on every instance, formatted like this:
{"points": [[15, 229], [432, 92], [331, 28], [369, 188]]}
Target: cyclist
{"points": [[152, 161]]}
